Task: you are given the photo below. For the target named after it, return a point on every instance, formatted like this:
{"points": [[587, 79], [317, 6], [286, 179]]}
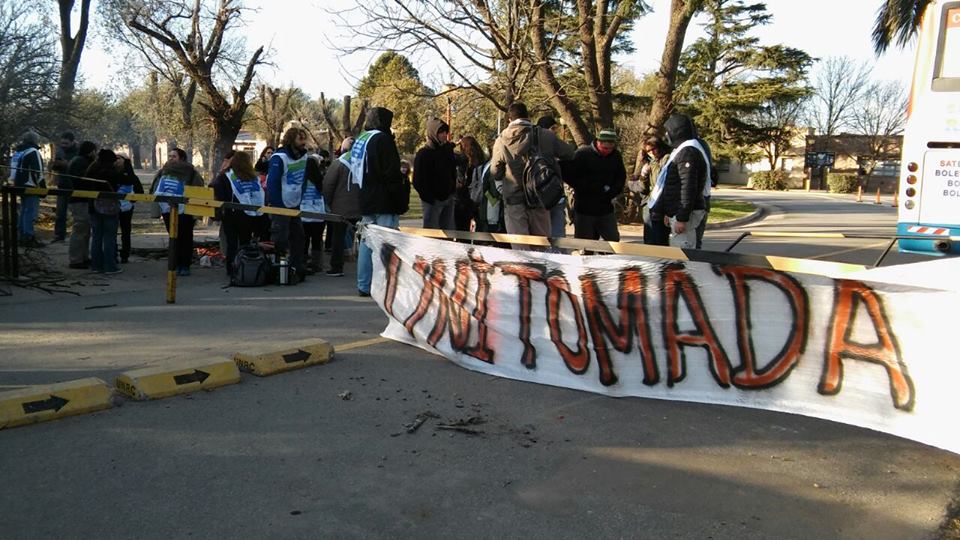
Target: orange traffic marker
{"points": [[877, 200], [896, 199], [859, 193]]}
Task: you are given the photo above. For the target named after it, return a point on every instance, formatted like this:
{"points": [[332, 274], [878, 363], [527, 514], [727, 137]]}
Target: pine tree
{"points": [[727, 79], [394, 83]]}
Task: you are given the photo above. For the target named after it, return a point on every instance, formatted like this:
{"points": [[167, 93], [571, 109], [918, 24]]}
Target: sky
{"points": [[303, 33]]}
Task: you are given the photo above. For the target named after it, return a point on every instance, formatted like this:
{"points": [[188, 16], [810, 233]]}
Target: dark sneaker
{"points": [[334, 273], [79, 266], [363, 294], [111, 272], [58, 239]]}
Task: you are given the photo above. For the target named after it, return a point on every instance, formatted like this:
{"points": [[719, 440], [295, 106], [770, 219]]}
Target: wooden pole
{"points": [[859, 193], [172, 257]]}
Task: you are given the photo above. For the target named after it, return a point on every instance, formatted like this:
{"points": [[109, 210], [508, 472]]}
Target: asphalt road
{"points": [[286, 457]]}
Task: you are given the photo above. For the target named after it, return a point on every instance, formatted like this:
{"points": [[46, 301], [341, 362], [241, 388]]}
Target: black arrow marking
{"points": [[54, 403], [299, 356], [197, 376]]}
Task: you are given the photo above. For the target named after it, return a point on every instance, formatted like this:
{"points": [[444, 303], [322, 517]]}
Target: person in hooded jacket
{"points": [[27, 171], [239, 184], [313, 201], [435, 177], [597, 176], [507, 165], [285, 185], [678, 191], [384, 189], [104, 214]]}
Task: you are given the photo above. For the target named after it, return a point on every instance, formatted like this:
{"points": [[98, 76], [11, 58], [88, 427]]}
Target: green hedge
{"points": [[842, 183], [770, 180]]}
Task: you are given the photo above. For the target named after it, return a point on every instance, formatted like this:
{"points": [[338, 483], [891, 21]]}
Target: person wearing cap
{"points": [[597, 176], [26, 170]]}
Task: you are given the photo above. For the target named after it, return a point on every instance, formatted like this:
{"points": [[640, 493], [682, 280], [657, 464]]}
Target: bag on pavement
{"points": [[251, 268]]}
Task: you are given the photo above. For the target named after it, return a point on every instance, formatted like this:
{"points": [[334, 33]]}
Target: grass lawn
{"points": [[416, 206], [724, 210]]}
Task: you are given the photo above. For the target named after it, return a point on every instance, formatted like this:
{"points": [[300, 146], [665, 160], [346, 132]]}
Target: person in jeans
{"points": [[384, 190], [104, 214], [66, 151], [175, 174], [597, 176], [435, 177], [27, 171], [343, 199]]}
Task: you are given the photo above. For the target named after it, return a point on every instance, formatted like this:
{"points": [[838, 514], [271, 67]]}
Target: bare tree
{"points": [[273, 109], [776, 127], [196, 37], [879, 116], [837, 88], [72, 48], [28, 73]]}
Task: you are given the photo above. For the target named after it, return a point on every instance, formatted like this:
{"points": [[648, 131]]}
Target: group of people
{"points": [[366, 182], [459, 188], [95, 222]]}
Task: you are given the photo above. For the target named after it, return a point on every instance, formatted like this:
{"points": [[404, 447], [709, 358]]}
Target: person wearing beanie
{"points": [[104, 213], [26, 170], [597, 176]]}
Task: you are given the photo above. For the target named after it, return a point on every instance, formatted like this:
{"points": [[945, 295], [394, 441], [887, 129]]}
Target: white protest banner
{"points": [[869, 353]]}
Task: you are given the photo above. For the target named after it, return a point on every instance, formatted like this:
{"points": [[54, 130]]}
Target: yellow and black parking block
{"points": [[181, 378], [33, 404], [305, 354]]}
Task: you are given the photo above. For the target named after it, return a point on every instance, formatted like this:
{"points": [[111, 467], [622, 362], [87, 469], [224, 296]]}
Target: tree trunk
{"points": [[72, 49], [135, 154], [345, 122], [681, 12], [551, 85]]}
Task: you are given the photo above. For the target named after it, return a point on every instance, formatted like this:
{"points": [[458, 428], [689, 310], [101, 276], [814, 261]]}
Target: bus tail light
{"points": [[909, 205], [912, 179], [912, 166], [911, 192]]}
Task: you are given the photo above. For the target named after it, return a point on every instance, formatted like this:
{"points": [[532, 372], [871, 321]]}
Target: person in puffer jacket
{"points": [[678, 191]]}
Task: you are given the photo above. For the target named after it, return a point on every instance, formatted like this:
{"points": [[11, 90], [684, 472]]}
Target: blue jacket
{"points": [[275, 174], [29, 167]]}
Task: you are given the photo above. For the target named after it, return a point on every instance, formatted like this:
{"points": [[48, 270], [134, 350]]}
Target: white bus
{"points": [[930, 166]]}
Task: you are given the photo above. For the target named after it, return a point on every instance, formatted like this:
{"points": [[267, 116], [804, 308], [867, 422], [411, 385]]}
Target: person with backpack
{"points": [[520, 146], [559, 213], [435, 177], [285, 185], [26, 170], [171, 180], [128, 182], [239, 184], [104, 214], [343, 199], [597, 176]]}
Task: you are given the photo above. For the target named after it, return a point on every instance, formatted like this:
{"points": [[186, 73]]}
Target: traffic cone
{"points": [[896, 199], [877, 200], [859, 193]]}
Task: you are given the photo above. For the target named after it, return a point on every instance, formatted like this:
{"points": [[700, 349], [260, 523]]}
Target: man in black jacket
{"points": [[597, 176], [65, 152], [384, 190], [678, 193], [79, 248], [435, 177]]}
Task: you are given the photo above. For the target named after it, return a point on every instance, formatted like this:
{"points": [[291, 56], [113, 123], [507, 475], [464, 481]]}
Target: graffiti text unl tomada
{"points": [[454, 297]]}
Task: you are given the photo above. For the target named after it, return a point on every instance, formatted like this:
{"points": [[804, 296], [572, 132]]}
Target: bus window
{"points": [[948, 57]]}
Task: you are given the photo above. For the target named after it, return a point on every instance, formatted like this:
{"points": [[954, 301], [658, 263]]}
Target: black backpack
{"points": [[251, 268], [542, 187]]}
